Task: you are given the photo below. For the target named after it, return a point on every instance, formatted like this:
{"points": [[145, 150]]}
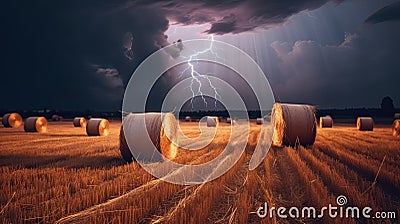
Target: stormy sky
{"points": [[79, 55]]}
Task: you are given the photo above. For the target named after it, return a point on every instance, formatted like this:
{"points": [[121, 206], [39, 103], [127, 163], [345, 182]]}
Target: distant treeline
{"points": [[356, 112], [351, 113], [113, 115]]}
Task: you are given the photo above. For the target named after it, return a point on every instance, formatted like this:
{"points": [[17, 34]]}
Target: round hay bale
{"points": [[212, 121], [365, 123], [162, 128], [56, 117], [259, 121], [97, 127], [293, 124], [188, 119], [396, 128], [12, 120], [231, 121], [325, 122], [123, 147], [35, 124], [79, 122], [397, 116]]}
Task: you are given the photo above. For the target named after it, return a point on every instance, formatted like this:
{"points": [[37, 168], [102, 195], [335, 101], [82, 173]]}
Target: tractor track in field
{"points": [[294, 184], [388, 181]]}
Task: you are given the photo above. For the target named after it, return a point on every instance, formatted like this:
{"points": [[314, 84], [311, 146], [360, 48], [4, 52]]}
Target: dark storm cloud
{"points": [[357, 72], [234, 16], [226, 25], [61, 54], [73, 55], [80, 54], [387, 13]]}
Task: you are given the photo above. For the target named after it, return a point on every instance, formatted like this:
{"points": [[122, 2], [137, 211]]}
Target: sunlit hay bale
{"points": [[259, 121], [162, 128], [212, 121], [231, 121], [79, 122], [56, 117], [396, 128], [325, 122], [293, 124], [365, 123], [97, 127], [397, 116], [188, 119], [12, 120], [35, 124]]}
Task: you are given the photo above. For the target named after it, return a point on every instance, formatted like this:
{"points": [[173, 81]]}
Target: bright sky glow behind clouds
{"points": [[330, 53], [320, 56]]}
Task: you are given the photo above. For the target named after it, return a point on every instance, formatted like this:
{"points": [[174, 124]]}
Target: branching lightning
{"points": [[196, 76]]}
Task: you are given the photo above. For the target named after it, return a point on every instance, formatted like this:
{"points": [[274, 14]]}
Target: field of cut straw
{"points": [[64, 176]]}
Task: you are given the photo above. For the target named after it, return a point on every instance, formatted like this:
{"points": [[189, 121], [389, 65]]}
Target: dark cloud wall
{"points": [[74, 55], [357, 71], [329, 57], [387, 13], [71, 55], [233, 16]]}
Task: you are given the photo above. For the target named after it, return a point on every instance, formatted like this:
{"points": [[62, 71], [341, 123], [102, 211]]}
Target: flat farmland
{"points": [[64, 176]]}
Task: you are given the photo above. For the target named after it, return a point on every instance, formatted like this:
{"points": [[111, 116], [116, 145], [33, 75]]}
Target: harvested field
{"points": [[66, 176]]}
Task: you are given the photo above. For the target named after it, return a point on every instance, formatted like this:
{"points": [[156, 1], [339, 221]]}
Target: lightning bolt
{"points": [[197, 77]]}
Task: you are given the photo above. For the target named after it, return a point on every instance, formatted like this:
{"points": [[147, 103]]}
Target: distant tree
{"points": [[387, 106]]}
